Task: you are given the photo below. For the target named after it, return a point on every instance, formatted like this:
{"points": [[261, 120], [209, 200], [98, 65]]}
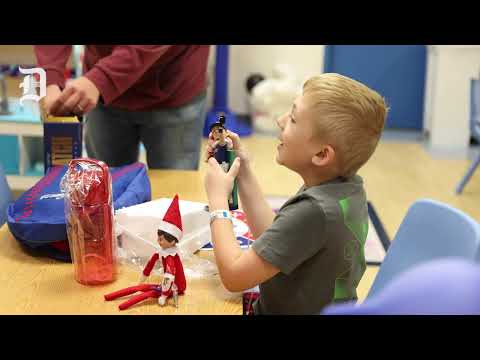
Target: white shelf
{"points": [[21, 129], [18, 182]]}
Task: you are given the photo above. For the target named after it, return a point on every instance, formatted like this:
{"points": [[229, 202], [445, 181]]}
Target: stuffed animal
{"points": [[272, 97]]}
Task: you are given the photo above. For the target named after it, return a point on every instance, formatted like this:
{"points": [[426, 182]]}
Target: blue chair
{"points": [[440, 287], [474, 130], [5, 196], [430, 230]]}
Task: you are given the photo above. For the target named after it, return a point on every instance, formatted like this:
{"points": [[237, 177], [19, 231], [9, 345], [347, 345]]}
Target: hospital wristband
{"points": [[220, 214]]}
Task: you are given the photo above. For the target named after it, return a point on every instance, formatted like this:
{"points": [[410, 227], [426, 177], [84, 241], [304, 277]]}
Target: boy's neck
{"points": [[315, 179]]}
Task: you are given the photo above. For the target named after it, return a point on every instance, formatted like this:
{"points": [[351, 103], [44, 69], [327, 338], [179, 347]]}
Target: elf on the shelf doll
{"points": [[169, 232]]}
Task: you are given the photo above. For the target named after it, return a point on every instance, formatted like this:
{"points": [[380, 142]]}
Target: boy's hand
{"points": [[210, 148], [233, 141], [237, 147], [218, 183], [240, 151]]}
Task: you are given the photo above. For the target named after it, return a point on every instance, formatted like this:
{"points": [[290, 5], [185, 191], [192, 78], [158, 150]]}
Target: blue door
{"points": [[397, 72]]}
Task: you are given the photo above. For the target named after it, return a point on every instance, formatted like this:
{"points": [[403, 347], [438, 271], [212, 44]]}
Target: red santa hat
{"points": [[172, 220]]}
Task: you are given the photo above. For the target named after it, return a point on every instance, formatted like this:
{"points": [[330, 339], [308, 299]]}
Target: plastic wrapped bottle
{"points": [[89, 216]]}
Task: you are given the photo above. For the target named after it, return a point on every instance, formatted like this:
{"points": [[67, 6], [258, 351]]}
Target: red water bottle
{"points": [[89, 215]]}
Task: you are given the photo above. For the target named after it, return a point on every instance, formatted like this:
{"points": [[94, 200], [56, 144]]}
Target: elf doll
{"points": [[174, 283]]}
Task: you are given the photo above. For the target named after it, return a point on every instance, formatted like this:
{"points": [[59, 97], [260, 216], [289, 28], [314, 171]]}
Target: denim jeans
{"points": [[172, 137]]}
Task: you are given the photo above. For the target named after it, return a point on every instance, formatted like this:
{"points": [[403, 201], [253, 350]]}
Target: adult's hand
{"points": [[52, 95], [79, 97]]}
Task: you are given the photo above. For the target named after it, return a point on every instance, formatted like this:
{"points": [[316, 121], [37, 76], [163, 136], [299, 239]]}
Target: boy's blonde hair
{"points": [[349, 115]]}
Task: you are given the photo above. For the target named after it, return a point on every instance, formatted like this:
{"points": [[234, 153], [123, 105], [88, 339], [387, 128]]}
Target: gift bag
{"points": [[37, 218]]}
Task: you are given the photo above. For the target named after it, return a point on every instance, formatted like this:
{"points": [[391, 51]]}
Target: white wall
{"points": [[306, 60], [17, 54], [447, 97]]}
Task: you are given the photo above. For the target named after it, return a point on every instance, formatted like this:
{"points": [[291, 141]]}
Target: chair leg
{"points": [[468, 175]]}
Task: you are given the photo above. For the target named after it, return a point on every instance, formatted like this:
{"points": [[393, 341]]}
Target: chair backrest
{"points": [[5, 196], [475, 109], [438, 287], [430, 230]]}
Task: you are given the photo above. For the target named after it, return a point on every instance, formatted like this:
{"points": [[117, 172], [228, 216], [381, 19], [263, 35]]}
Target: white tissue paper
{"points": [[136, 233]]}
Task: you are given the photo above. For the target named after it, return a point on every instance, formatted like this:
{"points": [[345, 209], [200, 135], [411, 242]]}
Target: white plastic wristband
{"points": [[220, 214]]}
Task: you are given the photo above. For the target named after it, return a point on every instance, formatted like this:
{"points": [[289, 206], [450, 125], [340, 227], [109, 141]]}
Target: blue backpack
{"points": [[37, 218]]}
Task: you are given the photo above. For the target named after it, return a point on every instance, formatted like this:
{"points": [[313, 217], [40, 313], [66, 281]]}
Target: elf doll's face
{"points": [[166, 240]]}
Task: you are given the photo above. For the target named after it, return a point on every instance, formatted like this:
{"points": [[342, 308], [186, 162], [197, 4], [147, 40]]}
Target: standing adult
{"points": [[155, 94]]}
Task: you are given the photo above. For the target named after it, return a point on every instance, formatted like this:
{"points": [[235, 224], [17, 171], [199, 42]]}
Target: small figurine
{"points": [[223, 152], [174, 283], [221, 142]]}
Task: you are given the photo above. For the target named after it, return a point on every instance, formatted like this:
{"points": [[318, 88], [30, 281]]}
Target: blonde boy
{"points": [[312, 252]]}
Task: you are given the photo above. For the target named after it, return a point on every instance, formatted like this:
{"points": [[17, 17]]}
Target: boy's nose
{"points": [[280, 122]]}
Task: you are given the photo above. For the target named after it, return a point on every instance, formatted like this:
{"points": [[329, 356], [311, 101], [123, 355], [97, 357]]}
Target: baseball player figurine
{"points": [[174, 283], [222, 149], [221, 143]]}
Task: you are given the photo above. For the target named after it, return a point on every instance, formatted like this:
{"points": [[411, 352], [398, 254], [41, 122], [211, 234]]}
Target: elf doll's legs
{"points": [[128, 291], [138, 298]]}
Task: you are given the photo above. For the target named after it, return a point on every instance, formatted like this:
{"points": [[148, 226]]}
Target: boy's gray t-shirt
{"points": [[317, 242]]}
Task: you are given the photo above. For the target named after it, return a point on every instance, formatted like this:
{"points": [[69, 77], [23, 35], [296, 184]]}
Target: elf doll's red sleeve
{"points": [[151, 264], [169, 265], [180, 280]]}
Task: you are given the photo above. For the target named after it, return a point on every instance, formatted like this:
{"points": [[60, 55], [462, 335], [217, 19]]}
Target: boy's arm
{"points": [[258, 212], [239, 270], [297, 234]]}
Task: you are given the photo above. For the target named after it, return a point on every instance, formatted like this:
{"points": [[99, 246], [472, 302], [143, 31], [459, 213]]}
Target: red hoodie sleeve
{"points": [[53, 59], [116, 73]]}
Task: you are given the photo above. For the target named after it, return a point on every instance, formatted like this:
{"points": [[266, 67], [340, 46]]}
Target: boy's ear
{"points": [[325, 156]]}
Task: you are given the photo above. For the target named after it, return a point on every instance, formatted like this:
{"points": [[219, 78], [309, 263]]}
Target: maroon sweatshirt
{"points": [[134, 77]]}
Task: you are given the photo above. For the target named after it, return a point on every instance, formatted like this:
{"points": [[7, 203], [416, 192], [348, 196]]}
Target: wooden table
{"points": [[38, 285]]}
